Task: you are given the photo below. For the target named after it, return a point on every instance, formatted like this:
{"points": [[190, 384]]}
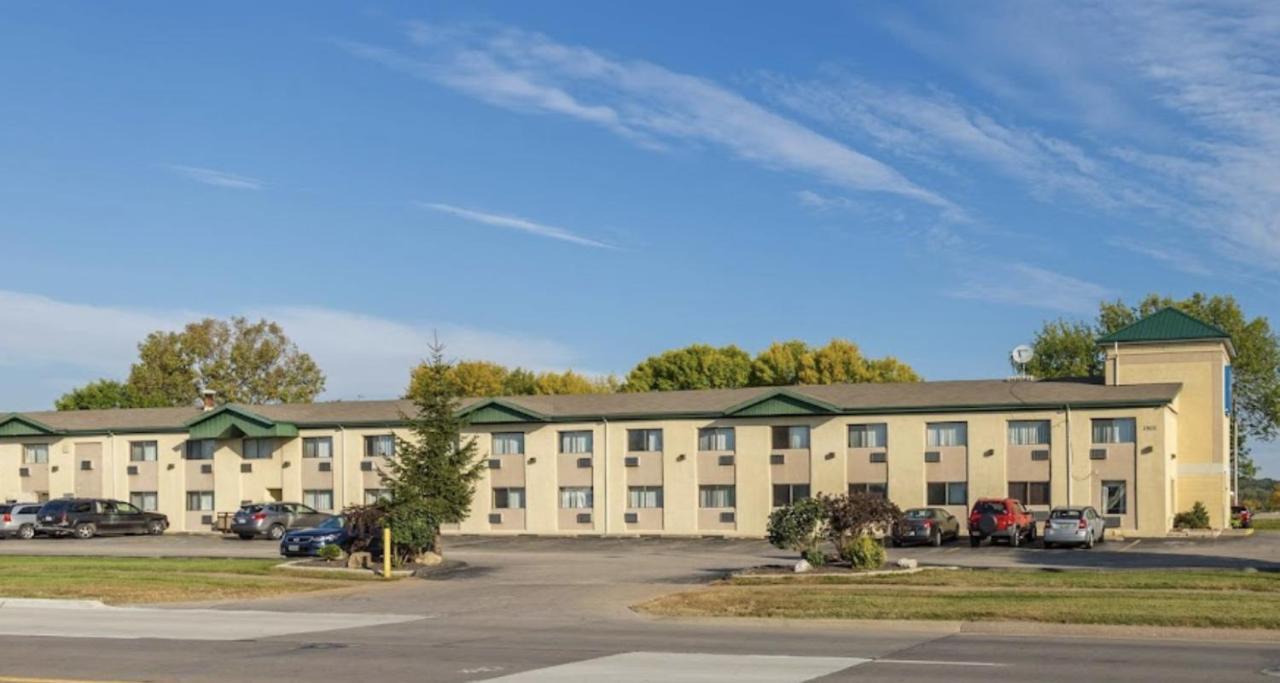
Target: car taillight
{"points": [[927, 524], [259, 516], [1083, 524], [8, 517]]}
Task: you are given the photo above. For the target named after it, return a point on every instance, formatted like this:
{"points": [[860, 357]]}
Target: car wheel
{"points": [[895, 542], [1015, 536], [276, 532], [936, 539], [1102, 537], [975, 541], [26, 532], [1047, 545], [155, 528], [1031, 534], [1088, 542], [85, 530]]}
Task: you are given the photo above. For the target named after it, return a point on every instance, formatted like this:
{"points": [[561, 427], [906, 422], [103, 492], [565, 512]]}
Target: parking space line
{"points": [[1127, 547], [931, 662]]}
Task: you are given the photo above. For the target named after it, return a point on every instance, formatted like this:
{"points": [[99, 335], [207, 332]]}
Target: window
{"points": [[868, 436], [721, 496], [942, 434], [380, 446], [372, 496], [145, 500], [948, 493], [317, 447], [142, 451], [508, 443], [575, 497], [644, 497], [1029, 432], [575, 442], [790, 437], [200, 501], [715, 439], [201, 449], [1030, 492], [880, 489], [508, 499], [1114, 498], [1226, 389], [646, 440], [258, 449], [786, 494], [35, 453], [1115, 430], [319, 499]]}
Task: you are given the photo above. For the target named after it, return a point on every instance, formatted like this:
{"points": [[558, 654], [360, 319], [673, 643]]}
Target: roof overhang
{"points": [[498, 411], [781, 403], [15, 424], [232, 422]]}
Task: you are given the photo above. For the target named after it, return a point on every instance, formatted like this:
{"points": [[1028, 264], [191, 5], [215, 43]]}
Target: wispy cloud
{"points": [[640, 101], [216, 178], [515, 223], [1174, 258], [1022, 284]]}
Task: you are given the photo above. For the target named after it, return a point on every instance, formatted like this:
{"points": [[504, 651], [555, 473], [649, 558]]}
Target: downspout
{"points": [[606, 475], [1070, 455], [342, 471], [1115, 374]]}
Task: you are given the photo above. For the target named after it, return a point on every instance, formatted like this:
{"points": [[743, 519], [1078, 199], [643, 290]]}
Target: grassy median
{"points": [[1267, 524], [123, 580], [1224, 599]]}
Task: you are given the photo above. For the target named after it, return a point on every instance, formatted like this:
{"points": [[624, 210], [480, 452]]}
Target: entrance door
{"points": [[1115, 500]]}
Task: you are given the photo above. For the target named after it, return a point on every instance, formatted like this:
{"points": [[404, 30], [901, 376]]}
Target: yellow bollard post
{"points": [[386, 552]]}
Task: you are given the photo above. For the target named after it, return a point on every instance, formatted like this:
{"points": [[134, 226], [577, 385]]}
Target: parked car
{"points": [[1001, 518], [18, 520], [926, 525], [1077, 525], [308, 542], [1242, 516], [273, 519], [89, 517]]}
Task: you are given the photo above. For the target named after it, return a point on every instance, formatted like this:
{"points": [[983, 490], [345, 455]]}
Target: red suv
{"points": [[1001, 518]]}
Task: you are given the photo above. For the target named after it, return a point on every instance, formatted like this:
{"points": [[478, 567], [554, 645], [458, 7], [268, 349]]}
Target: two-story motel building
{"points": [[1140, 444]]}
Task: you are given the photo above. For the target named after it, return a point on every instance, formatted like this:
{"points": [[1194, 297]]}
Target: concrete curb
{"points": [[1136, 632], [49, 603], [298, 567], [849, 575]]}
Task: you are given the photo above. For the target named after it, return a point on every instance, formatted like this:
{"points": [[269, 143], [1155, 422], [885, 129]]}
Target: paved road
{"points": [[522, 607]]}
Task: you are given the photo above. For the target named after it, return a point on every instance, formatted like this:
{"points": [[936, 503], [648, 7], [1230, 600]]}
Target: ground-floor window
{"points": [[717, 496], [880, 489], [508, 498], [786, 494], [319, 499], [575, 497], [200, 501], [1030, 492], [644, 497], [948, 493], [1115, 498], [145, 500], [372, 496]]}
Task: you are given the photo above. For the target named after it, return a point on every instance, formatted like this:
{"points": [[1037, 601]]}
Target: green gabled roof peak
{"points": [[1166, 324]]}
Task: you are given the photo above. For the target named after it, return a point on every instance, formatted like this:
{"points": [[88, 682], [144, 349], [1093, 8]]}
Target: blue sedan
{"points": [[308, 542]]}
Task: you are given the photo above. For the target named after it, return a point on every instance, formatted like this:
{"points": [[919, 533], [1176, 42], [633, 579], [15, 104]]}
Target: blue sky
{"points": [[583, 184]]}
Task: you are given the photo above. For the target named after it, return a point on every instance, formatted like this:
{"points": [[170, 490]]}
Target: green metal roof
{"points": [[232, 422], [1168, 324], [781, 402], [14, 424]]}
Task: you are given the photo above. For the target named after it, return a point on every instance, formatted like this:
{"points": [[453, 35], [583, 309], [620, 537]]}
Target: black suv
{"points": [[89, 517]]}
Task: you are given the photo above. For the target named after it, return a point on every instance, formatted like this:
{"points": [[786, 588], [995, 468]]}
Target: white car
{"points": [[1074, 526]]}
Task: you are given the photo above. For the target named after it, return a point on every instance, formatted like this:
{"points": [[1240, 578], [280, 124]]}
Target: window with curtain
{"points": [[35, 453], [1029, 433], [947, 493], [868, 436], [143, 451], [508, 443], [575, 497], [715, 439], [644, 440], [575, 442], [380, 446], [1115, 430], [147, 501], [318, 499], [508, 498], [372, 496], [790, 437], [317, 447], [718, 496], [258, 449], [786, 494], [880, 489], [200, 501], [943, 434], [1030, 492], [201, 449], [639, 497]]}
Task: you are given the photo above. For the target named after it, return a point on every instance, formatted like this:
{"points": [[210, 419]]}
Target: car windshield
{"points": [[989, 507], [1067, 514], [919, 514], [331, 523]]}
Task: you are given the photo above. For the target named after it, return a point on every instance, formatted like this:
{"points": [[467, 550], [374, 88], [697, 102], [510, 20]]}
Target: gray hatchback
{"points": [[272, 520], [1074, 526], [18, 519]]}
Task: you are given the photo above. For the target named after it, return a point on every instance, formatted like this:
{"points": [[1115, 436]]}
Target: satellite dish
{"points": [[1022, 354]]}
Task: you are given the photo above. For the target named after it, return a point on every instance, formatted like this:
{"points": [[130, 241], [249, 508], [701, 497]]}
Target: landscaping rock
{"points": [[907, 563], [428, 559], [359, 561], [803, 566]]}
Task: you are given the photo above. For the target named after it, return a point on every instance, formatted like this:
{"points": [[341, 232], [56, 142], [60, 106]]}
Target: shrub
{"points": [[858, 514], [815, 557], [798, 526], [862, 552], [1196, 518], [331, 553]]}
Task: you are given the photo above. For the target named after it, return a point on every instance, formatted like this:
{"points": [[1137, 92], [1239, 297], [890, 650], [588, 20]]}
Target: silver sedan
{"points": [[1076, 525]]}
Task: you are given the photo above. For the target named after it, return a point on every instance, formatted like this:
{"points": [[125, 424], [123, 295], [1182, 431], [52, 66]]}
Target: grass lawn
{"points": [[120, 580], [1267, 524], [1227, 599]]}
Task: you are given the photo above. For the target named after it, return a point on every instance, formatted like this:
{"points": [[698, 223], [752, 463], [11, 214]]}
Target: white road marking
{"points": [[930, 662], [670, 667], [1130, 545]]}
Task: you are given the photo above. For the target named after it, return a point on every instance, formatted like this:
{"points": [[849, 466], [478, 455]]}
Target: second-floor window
{"points": [[317, 447], [379, 446], [575, 442], [943, 434], [1029, 433], [35, 453], [715, 439], [644, 440], [142, 451], [201, 449], [868, 436], [508, 443], [1115, 430], [258, 449], [790, 437]]}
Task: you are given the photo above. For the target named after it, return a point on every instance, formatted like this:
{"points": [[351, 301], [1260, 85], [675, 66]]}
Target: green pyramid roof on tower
{"points": [[1167, 324]]}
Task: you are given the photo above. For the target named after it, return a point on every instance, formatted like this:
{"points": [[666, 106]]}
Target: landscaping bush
{"points": [[331, 553], [862, 552], [858, 514], [815, 557], [1196, 518], [799, 527]]}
